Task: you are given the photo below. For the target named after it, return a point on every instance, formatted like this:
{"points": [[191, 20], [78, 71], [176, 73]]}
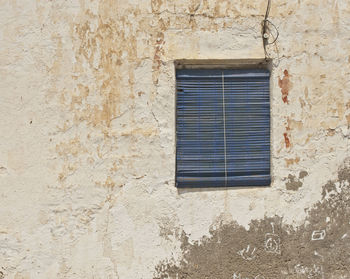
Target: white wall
{"points": [[87, 147]]}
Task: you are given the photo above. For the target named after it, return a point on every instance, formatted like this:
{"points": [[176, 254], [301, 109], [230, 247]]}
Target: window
{"points": [[222, 127]]}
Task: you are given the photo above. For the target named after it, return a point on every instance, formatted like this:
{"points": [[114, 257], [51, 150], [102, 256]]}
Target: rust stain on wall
{"points": [[286, 140], [285, 86], [292, 161], [318, 249]]}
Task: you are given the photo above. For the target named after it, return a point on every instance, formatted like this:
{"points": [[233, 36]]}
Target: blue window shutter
{"points": [[222, 128]]}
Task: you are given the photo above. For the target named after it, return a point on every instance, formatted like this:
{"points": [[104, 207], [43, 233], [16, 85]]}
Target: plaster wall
{"points": [[87, 147]]}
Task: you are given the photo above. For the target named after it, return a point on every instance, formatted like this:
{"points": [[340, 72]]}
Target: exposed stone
{"points": [[270, 249]]}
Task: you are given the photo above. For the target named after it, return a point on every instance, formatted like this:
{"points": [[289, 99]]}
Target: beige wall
{"points": [[87, 140]]}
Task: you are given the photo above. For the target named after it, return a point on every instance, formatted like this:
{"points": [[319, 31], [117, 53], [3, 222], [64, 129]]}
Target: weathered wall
{"points": [[87, 142]]}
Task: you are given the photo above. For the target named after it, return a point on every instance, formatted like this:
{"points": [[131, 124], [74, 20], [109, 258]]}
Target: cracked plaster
{"points": [[87, 109]]}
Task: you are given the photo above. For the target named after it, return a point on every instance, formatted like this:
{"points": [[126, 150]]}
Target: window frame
{"points": [[240, 64]]}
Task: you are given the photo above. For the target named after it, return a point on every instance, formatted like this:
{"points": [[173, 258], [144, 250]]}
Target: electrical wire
{"points": [[268, 9], [266, 30], [277, 33]]}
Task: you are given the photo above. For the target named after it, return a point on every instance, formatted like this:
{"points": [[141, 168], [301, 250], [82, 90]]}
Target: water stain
{"points": [[270, 249], [294, 124], [348, 119], [110, 43], [157, 61]]}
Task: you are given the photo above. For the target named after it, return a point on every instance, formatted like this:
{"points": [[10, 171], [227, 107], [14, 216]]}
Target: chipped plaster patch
{"points": [[271, 249]]}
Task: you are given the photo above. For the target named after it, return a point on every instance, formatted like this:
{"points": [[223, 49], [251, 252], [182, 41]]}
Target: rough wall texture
{"points": [[87, 144]]}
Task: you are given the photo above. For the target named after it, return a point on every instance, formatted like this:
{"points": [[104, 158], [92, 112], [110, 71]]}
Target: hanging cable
{"points": [[266, 31]]}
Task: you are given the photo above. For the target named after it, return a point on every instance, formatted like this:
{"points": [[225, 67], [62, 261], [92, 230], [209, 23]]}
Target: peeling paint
{"points": [[294, 183], [88, 141], [316, 249]]}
